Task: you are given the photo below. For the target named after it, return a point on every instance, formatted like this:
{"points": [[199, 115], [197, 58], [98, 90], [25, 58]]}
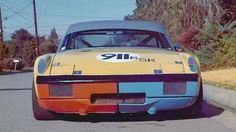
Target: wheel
{"points": [[195, 109], [39, 112]]}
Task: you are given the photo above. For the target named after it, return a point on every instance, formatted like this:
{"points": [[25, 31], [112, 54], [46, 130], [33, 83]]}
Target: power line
{"points": [[55, 25], [16, 12], [27, 26], [79, 16], [30, 26], [19, 11], [51, 29], [17, 27], [58, 29], [29, 1], [12, 5]]}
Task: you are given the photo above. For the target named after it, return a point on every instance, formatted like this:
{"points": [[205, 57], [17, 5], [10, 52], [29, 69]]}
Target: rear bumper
{"points": [[84, 87], [83, 106]]}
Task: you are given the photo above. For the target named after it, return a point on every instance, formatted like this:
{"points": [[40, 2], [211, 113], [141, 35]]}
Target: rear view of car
{"points": [[116, 66]]}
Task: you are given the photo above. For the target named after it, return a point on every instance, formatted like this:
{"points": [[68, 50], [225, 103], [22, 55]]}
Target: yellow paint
{"points": [[47, 72], [90, 65], [86, 61]]}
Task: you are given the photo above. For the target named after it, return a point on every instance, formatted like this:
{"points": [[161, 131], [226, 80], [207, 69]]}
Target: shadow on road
{"points": [[207, 112]]}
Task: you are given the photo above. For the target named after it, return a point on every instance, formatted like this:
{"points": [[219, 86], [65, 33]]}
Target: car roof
{"points": [[116, 24]]}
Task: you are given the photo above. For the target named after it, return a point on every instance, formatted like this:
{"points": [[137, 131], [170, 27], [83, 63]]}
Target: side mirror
{"points": [[178, 47]]}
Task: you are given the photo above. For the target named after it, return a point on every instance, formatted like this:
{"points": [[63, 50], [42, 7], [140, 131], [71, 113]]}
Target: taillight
{"points": [[192, 64], [174, 88], [43, 64], [58, 90]]}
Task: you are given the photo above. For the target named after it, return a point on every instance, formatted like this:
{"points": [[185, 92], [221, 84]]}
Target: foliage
{"points": [[53, 37], [2, 50], [9, 63], [218, 46], [178, 15], [11, 50], [187, 39], [229, 7], [1, 66], [47, 47], [227, 52], [20, 36], [22, 46], [207, 28], [28, 53]]}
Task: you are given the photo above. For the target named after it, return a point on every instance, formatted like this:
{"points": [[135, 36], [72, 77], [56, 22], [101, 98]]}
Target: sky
{"points": [[60, 14]]}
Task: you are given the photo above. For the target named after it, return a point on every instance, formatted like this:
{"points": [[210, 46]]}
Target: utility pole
{"points": [[1, 28], [36, 29]]}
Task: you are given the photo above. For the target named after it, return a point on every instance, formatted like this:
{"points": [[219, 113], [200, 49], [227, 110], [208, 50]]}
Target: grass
{"points": [[221, 78]]}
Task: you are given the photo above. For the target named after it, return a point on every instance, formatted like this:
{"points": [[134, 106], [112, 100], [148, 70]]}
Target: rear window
{"points": [[114, 38]]}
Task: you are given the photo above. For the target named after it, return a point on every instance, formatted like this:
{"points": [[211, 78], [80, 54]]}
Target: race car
{"points": [[116, 67]]}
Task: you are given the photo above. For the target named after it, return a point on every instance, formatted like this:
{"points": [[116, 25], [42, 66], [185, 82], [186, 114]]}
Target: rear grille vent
{"points": [[136, 98]]}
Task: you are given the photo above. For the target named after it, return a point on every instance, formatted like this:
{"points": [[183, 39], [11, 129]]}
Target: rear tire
{"points": [[39, 112]]}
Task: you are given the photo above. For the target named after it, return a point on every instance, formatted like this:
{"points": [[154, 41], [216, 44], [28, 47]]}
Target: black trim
{"points": [[116, 78], [120, 98]]}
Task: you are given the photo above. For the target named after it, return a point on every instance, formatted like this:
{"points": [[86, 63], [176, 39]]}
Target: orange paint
{"points": [[85, 90], [81, 106], [43, 91], [80, 102]]}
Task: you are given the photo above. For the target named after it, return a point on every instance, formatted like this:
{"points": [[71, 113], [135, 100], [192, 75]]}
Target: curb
{"points": [[15, 72], [219, 96]]}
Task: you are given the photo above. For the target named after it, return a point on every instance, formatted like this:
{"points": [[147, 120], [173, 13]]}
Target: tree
{"points": [[178, 15], [47, 47], [2, 51], [53, 37], [42, 39], [22, 46], [21, 36], [28, 53], [207, 28], [128, 18], [229, 7]]}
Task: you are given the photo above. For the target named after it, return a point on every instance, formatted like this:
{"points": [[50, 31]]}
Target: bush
{"points": [[218, 48], [187, 39], [226, 52], [1, 67], [9, 64], [2, 50]]}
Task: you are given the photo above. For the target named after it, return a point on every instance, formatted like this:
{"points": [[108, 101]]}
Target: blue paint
{"points": [[155, 89], [152, 110], [42, 65], [192, 88], [153, 105], [192, 64], [151, 89], [155, 100]]}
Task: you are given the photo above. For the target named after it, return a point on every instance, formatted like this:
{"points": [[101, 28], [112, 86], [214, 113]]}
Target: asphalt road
{"points": [[16, 116]]}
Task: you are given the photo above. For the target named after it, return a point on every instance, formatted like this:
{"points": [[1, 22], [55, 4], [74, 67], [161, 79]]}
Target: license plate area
{"points": [[129, 98]]}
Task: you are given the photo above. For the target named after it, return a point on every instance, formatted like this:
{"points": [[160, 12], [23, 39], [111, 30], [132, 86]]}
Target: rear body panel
{"points": [[90, 61], [114, 94]]}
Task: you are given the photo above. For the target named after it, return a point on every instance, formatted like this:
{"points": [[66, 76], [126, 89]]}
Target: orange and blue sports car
{"points": [[116, 66]]}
